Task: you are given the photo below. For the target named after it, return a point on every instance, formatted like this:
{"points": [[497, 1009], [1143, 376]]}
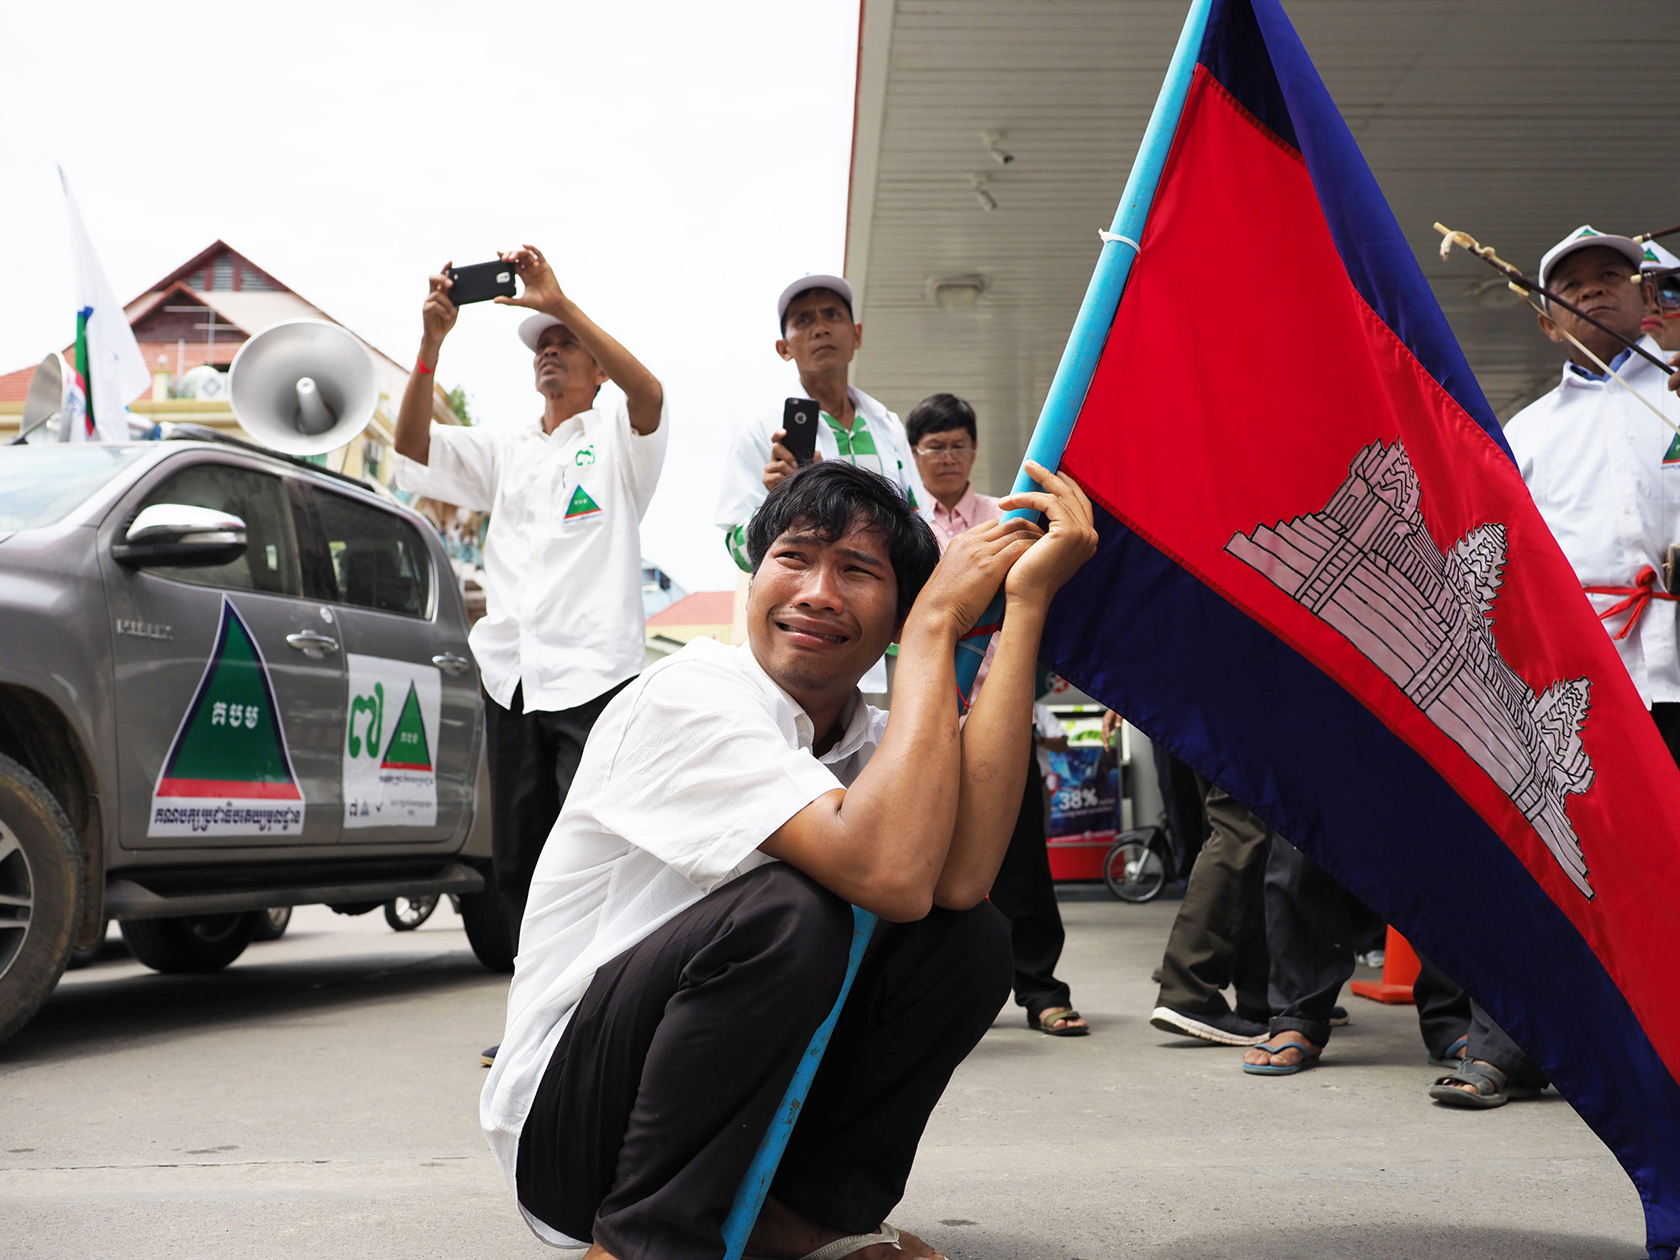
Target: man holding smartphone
{"points": [[820, 336], [563, 630]]}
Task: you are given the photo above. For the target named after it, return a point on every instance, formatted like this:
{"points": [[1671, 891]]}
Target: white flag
{"points": [[117, 371]]}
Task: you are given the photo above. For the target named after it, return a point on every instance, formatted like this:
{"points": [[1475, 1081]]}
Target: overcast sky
{"points": [[678, 162]]}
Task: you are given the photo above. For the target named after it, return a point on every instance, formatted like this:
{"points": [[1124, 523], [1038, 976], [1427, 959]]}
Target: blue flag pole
{"points": [[1102, 299]]}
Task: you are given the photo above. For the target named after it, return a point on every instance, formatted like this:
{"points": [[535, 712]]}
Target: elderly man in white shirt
{"points": [[1604, 470], [690, 920], [564, 627], [820, 336]]}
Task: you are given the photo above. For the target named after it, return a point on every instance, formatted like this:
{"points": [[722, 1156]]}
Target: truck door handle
{"points": [[313, 645], [449, 663]]}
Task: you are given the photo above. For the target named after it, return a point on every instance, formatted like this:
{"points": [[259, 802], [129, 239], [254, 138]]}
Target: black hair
{"points": [[939, 413], [818, 288], [829, 498]]}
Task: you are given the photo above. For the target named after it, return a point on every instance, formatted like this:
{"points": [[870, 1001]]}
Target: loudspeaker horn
{"points": [[49, 401], [303, 387]]}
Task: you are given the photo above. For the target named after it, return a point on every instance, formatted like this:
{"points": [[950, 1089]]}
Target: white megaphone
{"points": [[302, 387], [52, 401]]}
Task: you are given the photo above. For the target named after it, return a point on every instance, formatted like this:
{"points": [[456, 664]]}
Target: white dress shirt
{"points": [[1597, 463], [689, 769], [563, 556]]}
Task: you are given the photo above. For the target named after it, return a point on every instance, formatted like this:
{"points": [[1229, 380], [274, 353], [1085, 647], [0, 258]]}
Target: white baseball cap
{"points": [[533, 327], [804, 285], [1588, 237], [1658, 261]]}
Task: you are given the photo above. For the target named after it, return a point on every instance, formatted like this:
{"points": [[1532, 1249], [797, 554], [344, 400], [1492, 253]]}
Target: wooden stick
{"points": [[1524, 285], [1652, 236]]}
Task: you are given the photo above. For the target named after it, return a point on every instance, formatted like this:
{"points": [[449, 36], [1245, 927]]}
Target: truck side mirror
{"points": [[178, 533]]}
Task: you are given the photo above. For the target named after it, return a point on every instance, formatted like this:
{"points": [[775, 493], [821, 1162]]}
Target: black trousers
{"points": [[667, 1077], [1309, 931], [1026, 894], [1218, 938], [533, 757], [1443, 1008]]}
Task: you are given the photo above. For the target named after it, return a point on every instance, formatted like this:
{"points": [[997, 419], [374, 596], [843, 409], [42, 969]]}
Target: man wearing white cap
{"points": [[1662, 318], [819, 335], [563, 629]]}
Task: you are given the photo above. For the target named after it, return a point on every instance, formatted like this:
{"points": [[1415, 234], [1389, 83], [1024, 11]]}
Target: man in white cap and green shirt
{"points": [[563, 630], [819, 335]]}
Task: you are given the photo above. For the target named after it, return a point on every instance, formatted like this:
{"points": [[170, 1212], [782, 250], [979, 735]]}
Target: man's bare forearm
{"points": [[642, 390], [413, 437], [996, 742]]}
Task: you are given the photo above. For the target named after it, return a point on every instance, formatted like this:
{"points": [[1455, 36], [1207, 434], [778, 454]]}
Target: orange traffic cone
{"points": [[1400, 969]]}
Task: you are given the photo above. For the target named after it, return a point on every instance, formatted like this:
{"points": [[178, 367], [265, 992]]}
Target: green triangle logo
{"points": [[408, 749], [230, 742], [581, 504], [1673, 456]]}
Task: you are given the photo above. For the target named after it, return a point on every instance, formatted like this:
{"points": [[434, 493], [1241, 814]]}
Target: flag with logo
{"points": [[1322, 583], [113, 372]]}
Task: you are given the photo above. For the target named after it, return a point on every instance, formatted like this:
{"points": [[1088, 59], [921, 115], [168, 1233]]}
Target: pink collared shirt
{"points": [[971, 510]]}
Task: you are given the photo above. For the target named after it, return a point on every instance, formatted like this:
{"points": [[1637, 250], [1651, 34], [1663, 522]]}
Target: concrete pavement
{"points": [[319, 1099]]}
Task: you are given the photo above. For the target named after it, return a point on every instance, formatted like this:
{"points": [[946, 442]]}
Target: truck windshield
{"points": [[39, 485]]}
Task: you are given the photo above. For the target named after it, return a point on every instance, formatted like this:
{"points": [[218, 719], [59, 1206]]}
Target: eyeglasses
{"points": [[1668, 293], [959, 452]]}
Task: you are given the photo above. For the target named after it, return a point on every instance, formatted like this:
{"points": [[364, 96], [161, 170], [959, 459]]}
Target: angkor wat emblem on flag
{"points": [[1367, 566]]}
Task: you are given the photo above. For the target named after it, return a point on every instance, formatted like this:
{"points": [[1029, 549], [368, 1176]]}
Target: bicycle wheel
{"points": [[404, 914], [1134, 870]]}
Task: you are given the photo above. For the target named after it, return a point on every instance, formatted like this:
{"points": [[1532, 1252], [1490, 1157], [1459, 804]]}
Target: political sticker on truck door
{"points": [[229, 772], [390, 738]]}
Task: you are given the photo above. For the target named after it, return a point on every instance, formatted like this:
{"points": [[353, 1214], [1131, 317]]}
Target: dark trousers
{"points": [[667, 1077], [1309, 931], [1489, 1043], [1219, 936], [1443, 1008], [1026, 894], [533, 757]]}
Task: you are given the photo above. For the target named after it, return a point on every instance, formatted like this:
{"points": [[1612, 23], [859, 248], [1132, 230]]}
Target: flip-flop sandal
{"points": [[1454, 1055], [1309, 1060], [1064, 1013], [1489, 1087], [842, 1247]]}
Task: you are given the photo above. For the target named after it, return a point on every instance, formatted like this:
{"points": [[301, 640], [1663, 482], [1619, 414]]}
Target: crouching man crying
{"points": [[690, 919]]}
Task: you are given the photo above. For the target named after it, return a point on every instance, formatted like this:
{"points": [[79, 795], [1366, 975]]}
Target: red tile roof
{"points": [[703, 608]]}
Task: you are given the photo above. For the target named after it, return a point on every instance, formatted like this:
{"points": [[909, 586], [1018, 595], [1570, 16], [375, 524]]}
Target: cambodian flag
{"points": [[1323, 583]]}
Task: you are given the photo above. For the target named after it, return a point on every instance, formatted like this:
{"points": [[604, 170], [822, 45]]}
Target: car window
{"points": [[270, 559], [379, 560], [39, 485]]}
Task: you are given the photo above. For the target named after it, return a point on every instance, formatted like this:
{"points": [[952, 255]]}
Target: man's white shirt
{"points": [[563, 560], [1597, 463], [689, 769]]}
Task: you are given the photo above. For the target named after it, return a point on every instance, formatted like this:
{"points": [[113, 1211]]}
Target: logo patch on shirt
{"points": [[581, 504], [1673, 456]]}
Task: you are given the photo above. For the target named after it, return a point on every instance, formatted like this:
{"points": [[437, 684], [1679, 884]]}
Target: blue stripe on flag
{"points": [[1196, 674]]}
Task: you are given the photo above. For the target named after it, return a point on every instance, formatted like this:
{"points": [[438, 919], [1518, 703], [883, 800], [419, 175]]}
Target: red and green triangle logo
{"points": [[230, 742], [408, 749], [1673, 456], [581, 504]]}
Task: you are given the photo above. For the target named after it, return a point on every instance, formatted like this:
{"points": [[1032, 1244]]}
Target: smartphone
{"points": [[480, 282], [799, 418]]}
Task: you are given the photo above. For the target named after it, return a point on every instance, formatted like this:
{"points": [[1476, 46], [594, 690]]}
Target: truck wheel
{"points": [[40, 894], [488, 932], [272, 923], [193, 944]]}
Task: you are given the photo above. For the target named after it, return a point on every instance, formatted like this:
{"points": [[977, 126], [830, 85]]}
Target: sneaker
{"points": [[487, 1058], [1227, 1029], [1339, 1018]]}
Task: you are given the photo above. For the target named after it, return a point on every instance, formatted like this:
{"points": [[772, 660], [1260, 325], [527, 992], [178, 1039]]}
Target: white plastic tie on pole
{"points": [[1106, 236]]}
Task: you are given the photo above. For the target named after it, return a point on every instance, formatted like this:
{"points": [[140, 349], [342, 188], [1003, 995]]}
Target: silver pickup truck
{"points": [[229, 681]]}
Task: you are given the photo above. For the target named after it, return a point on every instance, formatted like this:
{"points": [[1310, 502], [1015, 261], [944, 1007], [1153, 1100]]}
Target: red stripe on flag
{"points": [[1189, 449], [233, 788]]}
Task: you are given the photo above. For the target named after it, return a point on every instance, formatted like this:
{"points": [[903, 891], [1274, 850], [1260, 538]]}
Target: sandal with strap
{"points": [[1309, 1059], [1064, 1014], [842, 1247], [1489, 1087], [1453, 1055]]}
